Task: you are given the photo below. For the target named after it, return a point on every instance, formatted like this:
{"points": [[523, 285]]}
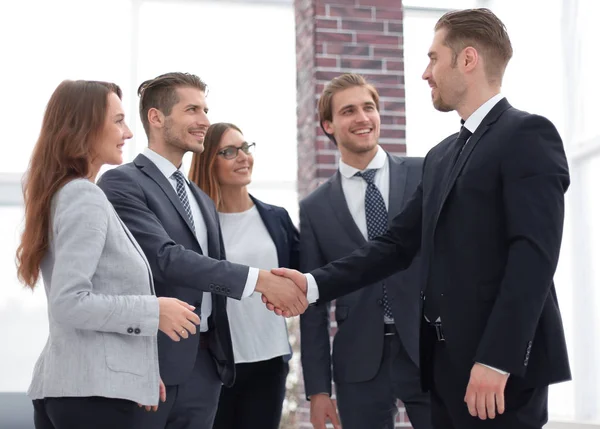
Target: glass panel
{"points": [[250, 70], [52, 41], [23, 317]]}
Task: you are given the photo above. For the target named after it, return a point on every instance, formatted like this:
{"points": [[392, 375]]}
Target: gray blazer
{"points": [[103, 315]]}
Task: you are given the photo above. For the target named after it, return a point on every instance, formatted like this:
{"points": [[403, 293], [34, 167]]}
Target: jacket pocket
{"points": [[127, 353]]}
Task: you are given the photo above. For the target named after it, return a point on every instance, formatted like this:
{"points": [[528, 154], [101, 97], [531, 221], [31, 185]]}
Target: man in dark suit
{"points": [[487, 218], [376, 351], [177, 227]]}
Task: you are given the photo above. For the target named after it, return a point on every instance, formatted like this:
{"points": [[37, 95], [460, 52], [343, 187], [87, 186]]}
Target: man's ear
{"points": [[470, 58], [156, 118], [327, 127]]}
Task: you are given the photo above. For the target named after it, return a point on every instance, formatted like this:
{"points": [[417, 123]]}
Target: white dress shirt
{"points": [[355, 188], [257, 334], [167, 169]]}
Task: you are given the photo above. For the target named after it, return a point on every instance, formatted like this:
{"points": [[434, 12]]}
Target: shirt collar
{"points": [[163, 164], [377, 162], [478, 115]]}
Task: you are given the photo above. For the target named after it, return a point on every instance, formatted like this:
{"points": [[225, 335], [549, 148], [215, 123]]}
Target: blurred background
{"points": [[250, 53]]}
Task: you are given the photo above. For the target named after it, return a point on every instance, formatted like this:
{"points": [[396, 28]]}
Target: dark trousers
{"points": [[372, 404], [192, 404], [92, 412], [256, 398], [525, 408]]}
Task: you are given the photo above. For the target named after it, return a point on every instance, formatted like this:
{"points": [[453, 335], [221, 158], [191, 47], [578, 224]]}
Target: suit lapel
{"points": [[152, 171], [212, 227], [137, 248], [270, 220], [340, 208], [487, 122], [398, 176]]}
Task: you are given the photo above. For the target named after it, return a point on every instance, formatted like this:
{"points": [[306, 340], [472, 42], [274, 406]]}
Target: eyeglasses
{"points": [[231, 152]]}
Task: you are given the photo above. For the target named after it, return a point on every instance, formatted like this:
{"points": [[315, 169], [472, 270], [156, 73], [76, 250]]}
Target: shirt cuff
{"points": [[495, 369], [312, 290], [250, 282]]}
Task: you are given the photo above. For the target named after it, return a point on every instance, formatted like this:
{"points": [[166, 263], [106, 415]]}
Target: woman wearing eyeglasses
{"points": [[258, 235]]}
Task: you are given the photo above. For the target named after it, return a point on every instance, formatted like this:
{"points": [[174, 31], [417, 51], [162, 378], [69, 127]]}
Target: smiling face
{"points": [[109, 147], [186, 126], [355, 121], [236, 172]]}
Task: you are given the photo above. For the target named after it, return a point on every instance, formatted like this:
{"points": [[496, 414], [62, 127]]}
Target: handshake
{"points": [[283, 291]]}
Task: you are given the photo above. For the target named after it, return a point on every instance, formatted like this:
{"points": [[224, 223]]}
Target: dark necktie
{"points": [[182, 194], [460, 142], [377, 220]]}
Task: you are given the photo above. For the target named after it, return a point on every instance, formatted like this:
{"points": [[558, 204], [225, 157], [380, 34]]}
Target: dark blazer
{"points": [[329, 233], [489, 232], [282, 231], [285, 236], [149, 206]]}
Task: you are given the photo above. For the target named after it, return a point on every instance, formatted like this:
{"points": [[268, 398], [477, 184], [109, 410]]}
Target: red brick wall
{"points": [[337, 36], [333, 37]]}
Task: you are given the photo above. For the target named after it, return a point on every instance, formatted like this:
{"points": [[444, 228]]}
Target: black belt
{"points": [[389, 329]]}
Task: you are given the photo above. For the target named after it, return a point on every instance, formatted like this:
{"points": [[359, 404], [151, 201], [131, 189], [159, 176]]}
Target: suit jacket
{"points": [[103, 317], [329, 233], [149, 206], [284, 234], [489, 231]]}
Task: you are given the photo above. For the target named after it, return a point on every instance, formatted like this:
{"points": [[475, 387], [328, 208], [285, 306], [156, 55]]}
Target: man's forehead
{"points": [[359, 96]]}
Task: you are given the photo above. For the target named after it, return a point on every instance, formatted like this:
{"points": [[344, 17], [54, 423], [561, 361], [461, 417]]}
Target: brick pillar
{"points": [[333, 37], [337, 36]]}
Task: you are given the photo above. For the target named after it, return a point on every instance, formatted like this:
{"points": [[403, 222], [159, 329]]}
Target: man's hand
{"points": [[162, 395], [485, 392], [282, 294], [321, 409], [299, 280]]}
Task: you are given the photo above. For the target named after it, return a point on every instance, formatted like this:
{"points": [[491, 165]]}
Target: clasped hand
{"points": [[283, 291]]}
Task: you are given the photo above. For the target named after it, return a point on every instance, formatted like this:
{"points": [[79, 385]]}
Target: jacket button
{"points": [[137, 331], [211, 286], [380, 302], [228, 291], [130, 330]]}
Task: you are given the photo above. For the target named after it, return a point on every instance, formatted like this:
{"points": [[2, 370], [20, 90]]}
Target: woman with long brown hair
{"points": [[101, 356], [259, 235]]}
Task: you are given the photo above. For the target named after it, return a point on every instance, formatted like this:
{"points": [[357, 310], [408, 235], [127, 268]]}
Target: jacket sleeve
{"points": [[79, 233], [171, 262], [535, 178], [314, 323]]}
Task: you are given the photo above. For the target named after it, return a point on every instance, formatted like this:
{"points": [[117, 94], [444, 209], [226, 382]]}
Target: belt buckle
{"points": [[439, 333]]}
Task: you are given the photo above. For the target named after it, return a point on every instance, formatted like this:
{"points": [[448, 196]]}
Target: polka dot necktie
{"points": [[377, 220], [182, 194]]}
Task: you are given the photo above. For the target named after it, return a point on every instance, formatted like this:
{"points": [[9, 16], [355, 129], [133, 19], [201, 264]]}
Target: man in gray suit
{"points": [[375, 350], [177, 227]]}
